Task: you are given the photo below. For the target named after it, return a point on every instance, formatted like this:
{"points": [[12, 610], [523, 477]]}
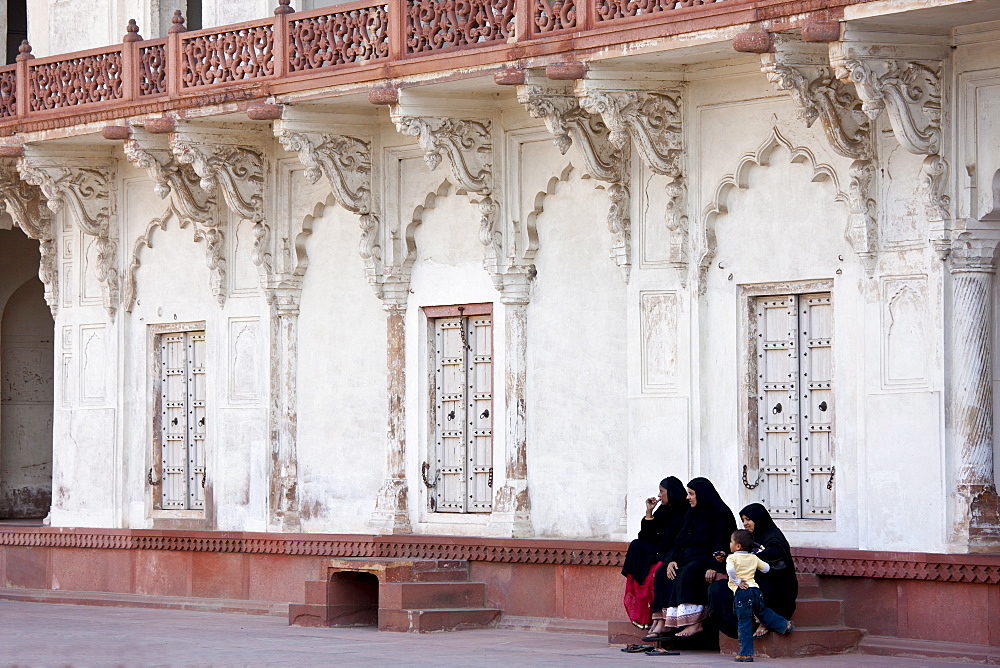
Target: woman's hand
{"points": [[650, 505], [710, 576], [672, 570]]}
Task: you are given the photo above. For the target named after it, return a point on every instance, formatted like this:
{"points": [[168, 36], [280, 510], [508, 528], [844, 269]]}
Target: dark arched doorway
{"points": [[26, 382]]}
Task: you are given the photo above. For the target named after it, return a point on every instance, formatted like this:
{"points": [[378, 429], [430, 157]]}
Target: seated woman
{"points": [[680, 587], [779, 586], [656, 536]]}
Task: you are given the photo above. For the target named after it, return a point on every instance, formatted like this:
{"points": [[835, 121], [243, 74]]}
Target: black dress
{"points": [[779, 586], [707, 528]]}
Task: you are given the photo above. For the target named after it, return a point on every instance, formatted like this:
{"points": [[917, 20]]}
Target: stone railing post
{"points": [[971, 396]]}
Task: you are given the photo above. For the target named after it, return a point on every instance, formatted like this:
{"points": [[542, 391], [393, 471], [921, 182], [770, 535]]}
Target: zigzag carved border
{"points": [[966, 568]]}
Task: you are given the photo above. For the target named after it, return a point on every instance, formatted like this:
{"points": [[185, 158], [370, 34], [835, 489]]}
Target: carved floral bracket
{"points": [[804, 72], [84, 186], [237, 170], [468, 146], [652, 120], [605, 160], [26, 206], [188, 201], [904, 83], [346, 162]]}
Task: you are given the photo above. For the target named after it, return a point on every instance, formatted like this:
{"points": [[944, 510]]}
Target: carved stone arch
{"points": [[739, 179], [409, 254], [530, 228], [301, 233], [213, 238]]}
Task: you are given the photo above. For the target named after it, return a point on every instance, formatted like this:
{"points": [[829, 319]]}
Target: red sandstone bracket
{"points": [[415, 596]]}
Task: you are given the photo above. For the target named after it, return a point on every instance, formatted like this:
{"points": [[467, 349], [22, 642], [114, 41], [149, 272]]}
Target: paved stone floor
{"points": [[41, 634]]}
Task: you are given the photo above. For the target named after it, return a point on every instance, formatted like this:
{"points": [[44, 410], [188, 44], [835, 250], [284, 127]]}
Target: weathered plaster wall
{"points": [[578, 416], [342, 399]]}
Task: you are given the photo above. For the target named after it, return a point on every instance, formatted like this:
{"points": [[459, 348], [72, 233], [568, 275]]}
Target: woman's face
{"points": [[664, 498], [692, 497], [747, 523]]}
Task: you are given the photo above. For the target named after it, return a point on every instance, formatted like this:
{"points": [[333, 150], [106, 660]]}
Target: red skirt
{"points": [[639, 599]]}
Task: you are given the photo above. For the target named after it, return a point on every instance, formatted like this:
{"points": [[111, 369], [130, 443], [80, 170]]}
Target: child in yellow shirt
{"points": [[747, 599]]}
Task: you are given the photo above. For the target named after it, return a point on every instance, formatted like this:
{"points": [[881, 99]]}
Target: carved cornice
{"points": [[85, 188], [238, 171], [27, 208], [605, 160], [346, 162]]}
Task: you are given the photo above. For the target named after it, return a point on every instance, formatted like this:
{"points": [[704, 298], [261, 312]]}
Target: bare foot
{"points": [[761, 631], [690, 630], [657, 626]]}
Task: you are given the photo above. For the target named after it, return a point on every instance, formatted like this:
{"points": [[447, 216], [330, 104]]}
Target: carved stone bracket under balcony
{"points": [[905, 83], [85, 187], [237, 170], [468, 146], [189, 202], [346, 162], [652, 120], [804, 72], [569, 123], [26, 206]]}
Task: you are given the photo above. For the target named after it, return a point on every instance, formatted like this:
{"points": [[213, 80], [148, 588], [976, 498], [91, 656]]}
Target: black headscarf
{"points": [[767, 533], [706, 494], [707, 526], [675, 489]]}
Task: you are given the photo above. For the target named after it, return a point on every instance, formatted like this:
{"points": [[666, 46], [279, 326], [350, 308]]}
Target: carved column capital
{"points": [[83, 186], [973, 255]]}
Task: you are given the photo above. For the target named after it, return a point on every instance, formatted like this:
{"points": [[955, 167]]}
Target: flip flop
{"points": [[635, 649], [656, 637], [662, 652]]}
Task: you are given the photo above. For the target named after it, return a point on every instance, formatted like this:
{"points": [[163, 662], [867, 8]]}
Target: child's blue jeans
{"points": [[750, 602]]}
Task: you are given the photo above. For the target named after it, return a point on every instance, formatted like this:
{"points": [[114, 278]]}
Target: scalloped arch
{"points": [[530, 227], [740, 179], [305, 231], [417, 219], [144, 241]]}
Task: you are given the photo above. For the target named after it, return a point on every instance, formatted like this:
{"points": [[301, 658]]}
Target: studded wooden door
{"points": [[463, 437], [794, 404], [183, 400]]}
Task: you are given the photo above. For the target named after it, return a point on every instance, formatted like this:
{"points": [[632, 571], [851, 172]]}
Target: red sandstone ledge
{"points": [[969, 568]]}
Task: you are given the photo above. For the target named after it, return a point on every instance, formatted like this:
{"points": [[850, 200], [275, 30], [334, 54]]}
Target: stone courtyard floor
{"points": [[42, 634]]}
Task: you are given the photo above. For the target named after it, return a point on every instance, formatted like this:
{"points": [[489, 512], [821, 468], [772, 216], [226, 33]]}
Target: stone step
{"points": [[818, 612], [431, 595], [808, 586], [108, 599], [809, 641], [425, 621], [930, 649], [400, 570]]}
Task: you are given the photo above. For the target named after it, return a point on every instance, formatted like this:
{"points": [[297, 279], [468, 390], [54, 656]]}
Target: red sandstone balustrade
{"points": [[363, 41]]}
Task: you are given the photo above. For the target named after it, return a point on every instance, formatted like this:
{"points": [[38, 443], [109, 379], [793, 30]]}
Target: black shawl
{"points": [[707, 526], [779, 586]]}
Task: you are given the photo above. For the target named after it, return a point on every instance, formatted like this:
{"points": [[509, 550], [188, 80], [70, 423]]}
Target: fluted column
{"points": [[391, 511], [972, 272], [284, 505]]}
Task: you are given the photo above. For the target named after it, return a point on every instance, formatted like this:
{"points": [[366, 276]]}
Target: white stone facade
{"points": [[622, 262]]}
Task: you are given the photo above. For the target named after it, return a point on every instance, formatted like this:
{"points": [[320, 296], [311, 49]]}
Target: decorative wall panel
{"points": [[905, 319], [658, 313], [244, 363], [93, 364]]}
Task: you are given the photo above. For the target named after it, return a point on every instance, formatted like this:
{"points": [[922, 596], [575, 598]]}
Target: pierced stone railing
{"points": [[357, 42]]}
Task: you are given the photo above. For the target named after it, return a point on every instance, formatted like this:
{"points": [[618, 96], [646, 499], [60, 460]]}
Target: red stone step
{"points": [[808, 586], [427, 595], [425, 621], [818, 612], [808, 641], [120, 600]]}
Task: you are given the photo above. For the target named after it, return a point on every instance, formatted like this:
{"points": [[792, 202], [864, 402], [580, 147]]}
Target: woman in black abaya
{"points": [[656, 536], [779, 586], [680, 584]]}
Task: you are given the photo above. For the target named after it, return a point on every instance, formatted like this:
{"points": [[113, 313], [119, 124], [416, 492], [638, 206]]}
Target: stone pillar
{"points": [[283, 419], [391, 514], [971, 394], [511, 504]]}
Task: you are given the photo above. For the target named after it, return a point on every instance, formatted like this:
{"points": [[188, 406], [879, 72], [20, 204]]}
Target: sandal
{"points": [[656, 637], [790, 627], [655, 651], [635, 649]]}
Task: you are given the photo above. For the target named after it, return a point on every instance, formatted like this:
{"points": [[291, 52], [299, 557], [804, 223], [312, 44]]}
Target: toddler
{"points": [[747, 599]]}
